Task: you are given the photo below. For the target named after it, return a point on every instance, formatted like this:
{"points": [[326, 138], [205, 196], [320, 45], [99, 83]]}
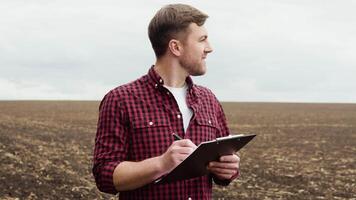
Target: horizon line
{"points": [[228, 101]]}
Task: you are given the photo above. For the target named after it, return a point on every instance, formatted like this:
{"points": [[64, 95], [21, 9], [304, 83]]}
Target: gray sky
{"points": [[275, 50]]}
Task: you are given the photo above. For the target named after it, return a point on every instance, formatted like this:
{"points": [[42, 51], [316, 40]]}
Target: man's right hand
{"points": [[176, 153], [130, 175]]}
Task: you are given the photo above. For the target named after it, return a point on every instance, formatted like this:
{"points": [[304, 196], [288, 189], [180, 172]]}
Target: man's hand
{"points": [[176, 153], [132, 175], [227, 168]]}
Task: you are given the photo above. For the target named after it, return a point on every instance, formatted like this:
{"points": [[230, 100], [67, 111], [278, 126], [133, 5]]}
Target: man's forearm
{"points": [[132, 175]]}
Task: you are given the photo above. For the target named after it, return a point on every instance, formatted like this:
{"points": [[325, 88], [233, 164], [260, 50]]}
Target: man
{"points": [[134, 144]]}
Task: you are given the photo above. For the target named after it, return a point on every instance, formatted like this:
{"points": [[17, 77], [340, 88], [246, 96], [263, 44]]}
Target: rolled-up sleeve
{"points": [[222, 121], [111, 143], [224, 131]]}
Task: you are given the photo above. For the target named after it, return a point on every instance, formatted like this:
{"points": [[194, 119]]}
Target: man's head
{"points": [[177, 30], [172, 22]]}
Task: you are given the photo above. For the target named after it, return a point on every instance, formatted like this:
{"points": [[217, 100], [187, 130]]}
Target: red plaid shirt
{"points": [[136, 122]]}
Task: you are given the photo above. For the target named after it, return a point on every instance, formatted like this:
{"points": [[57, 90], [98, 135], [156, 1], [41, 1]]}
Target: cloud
{"points": [[263, 50]]}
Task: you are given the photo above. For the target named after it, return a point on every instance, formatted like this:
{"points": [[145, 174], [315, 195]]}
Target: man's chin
{"points": [[198, 73], [197, 70]]}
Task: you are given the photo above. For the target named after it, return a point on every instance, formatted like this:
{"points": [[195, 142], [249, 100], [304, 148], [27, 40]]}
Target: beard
{"points": [[193, 67]]}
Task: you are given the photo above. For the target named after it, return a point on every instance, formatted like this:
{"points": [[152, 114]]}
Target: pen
{"points": [[176, 137]]}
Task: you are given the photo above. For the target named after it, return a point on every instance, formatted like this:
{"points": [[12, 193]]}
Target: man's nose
{"points": [[208, 48]]}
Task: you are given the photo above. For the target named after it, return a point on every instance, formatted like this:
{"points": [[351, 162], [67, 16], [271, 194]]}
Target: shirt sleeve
{"points": [[111, 144], [224, 131], [221, 118]]}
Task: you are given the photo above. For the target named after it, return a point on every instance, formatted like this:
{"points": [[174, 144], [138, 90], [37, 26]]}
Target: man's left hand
{"points": [[227, 168]]}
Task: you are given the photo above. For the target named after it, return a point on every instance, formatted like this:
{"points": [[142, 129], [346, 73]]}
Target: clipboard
{"points": [[195, 164]]}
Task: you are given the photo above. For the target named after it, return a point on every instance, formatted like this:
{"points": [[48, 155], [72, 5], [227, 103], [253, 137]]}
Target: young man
{"points": [[134, 144]]}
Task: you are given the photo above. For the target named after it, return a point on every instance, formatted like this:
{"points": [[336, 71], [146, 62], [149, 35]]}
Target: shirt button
{"points": [[160, 80], [189, 198], [178, 116], [150, 123], [156, 85], [209, 121]]}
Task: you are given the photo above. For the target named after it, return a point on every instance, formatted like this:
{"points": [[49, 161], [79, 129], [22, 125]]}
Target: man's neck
{"points": [[171, 72]]}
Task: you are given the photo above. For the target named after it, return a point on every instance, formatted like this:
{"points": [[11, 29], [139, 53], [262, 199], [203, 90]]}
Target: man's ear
{"points": [[175, 47]]}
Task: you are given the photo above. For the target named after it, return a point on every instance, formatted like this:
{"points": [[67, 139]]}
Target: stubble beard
{"points": [[193, 68]]}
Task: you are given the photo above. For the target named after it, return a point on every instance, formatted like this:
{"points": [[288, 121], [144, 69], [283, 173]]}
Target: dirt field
{"points": [[302, 151]]}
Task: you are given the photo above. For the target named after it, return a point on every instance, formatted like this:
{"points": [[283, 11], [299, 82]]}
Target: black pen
{"points": [[176, 137]]}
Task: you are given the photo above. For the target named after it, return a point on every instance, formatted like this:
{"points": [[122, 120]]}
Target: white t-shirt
{"points": [[180, 95]]}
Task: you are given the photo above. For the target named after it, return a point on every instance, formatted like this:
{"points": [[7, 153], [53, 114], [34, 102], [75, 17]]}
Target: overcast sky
{"points": [[275, 50]]}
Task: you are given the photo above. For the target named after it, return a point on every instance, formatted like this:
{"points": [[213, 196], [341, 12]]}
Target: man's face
{"points": [[195, 49]]}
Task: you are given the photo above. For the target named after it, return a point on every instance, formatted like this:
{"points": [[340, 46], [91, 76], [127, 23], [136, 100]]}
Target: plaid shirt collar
{"points": [[156, 80], [193, 93]]}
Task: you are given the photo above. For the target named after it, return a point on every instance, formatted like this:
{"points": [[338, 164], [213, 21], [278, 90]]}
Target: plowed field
{"points": [[302, 151]]}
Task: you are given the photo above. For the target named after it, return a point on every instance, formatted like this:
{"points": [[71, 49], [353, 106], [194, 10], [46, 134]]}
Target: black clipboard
{"points": [[195, 164]]}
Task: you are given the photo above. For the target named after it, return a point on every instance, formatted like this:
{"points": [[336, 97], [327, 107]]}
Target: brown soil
{"points": [[302, 151]]}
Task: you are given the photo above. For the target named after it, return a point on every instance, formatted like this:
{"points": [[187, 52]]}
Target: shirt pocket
{"points": [[207, 128], [151, 135]]}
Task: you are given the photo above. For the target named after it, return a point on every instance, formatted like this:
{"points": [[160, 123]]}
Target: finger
{"points": [[233, 166], [223, 171], [185, 150], [185, 143], [223, 176], [230, 158], [182, 150]]}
